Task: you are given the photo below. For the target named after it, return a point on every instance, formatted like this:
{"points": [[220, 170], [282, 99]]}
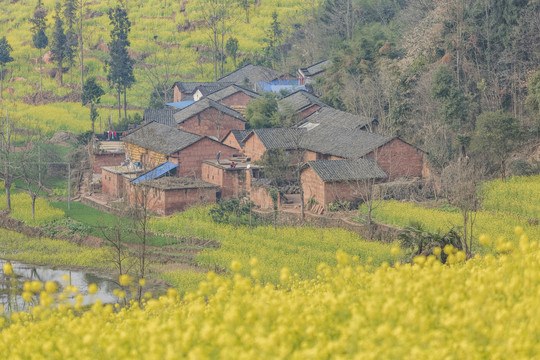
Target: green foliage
{"points": [[273, 39], [419, 241], [234, 212], [453, 102], [232, 48], [121, 64], [263, 112], [59, 40], [5, 52], [275, 164], [497, 134], [533, 99]]}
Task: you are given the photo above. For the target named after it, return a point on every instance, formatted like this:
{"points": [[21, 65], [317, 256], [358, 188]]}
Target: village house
{"points": [[337, 118], [331, 181], [301, 103], [235, 139], [106, 153], [153, 144], [234, 97], [250, 76], [307, 75], [258, 141], [233, 176], [207, 117], [115, 179], [184, 90]]}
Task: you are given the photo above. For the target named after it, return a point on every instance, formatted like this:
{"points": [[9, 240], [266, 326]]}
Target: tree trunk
{"points": [[81, 43], [8, 194], [2, 83], [247, 15], [119, 104], [125, 102], [40, 75], [60, 74], [33, 207]]}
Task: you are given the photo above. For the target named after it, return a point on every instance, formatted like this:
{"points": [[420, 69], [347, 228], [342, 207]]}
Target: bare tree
{"points": [[161, 75], [7, 163], [33, 172], [460, 181]]}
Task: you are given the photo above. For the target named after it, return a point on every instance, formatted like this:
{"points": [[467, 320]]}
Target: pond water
{"points": [[80, 279]]}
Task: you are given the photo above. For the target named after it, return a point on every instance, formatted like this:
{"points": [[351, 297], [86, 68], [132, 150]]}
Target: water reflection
{"points": [[28, 272]]}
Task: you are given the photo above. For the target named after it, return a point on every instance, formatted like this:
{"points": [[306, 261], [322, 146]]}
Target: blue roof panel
{"points": [[181, 104], [156, 172]]}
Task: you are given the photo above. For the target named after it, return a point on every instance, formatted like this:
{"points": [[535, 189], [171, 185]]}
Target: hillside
{"points": [[167, 37]]}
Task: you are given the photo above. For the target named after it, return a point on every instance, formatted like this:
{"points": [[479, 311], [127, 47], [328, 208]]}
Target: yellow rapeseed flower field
{"points": [[485, 308]]}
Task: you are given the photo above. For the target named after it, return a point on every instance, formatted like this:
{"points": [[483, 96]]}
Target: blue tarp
{"points": [[181, 104], [156, 172]]}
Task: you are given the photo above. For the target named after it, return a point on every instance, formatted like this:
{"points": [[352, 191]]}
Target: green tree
{"points": [[5, 58], [497, 134], [454, 107], [120, 65], [39, 38], [273, 39], [59, 42], [232, 48], [92, 94], [70, 11], [263, 112]]}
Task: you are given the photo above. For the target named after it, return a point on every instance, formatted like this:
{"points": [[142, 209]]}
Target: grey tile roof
{"points": [[298, 101], [316, 68], [334, 117], [347, 170], [201, 105], [278, 138], [253, 74], [346, 143], [230, 90], [161, 138], [177, 183], [190, 87], [162, 116]]}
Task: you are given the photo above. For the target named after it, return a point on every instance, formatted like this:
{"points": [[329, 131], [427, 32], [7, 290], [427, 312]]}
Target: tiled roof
{"points": [[189, 87], [298, 100], [161, 138], [278, 138], [162, 116], [334, 117], [346, 143], [253, 74], [347, 170], [316, 68], [230, 90], [204, 104], [177, 183]]}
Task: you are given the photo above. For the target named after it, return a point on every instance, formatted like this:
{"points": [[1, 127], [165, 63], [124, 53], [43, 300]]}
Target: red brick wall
{"points": [[108, 159], [254, 148], [260, 197], [177, 200], [313, 186], [205, 123], [178, 95], [232, 142], [192, 157], [399, 159], [237, 99], [343, 191], [111, 183], [306, 112], [232, 183]]}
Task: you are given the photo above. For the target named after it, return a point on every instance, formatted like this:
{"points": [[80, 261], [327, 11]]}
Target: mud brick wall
{"points": [[106, 159], [206, 123], [399, 159]]}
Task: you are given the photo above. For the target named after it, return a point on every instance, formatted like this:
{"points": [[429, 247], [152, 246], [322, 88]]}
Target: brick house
{"points": [[167, 195], [259, 140], [106, 153], [184, 90], [396, 157], [306, 75], [235, 139], [114, 179], [234, 97], [162, 116], [329, 181], [250, 76], [333, 117], [207, 117], [301, 103], [234, 176], [154, 143]]}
